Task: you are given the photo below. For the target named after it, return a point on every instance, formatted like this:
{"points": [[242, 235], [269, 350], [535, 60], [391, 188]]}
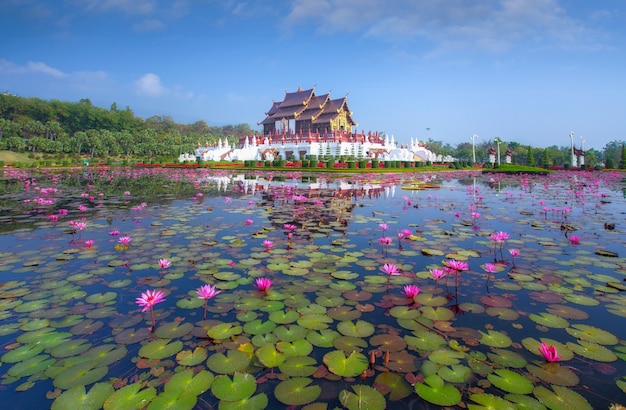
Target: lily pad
{"points": [[457, 373], [510, 381], [269, 356], [360, 328], [561, 398], [130, 397], [78, 397], [592, 334], [297, 391], [554, 373], [241, 386], [81, 374], [549, 320], [224, 331], [495, 339], [191, 358], [592, 351], [362, 397], [173, 330], [299, 366], [160, 348], [31, 366], [396, 385], [281, 317], [346, 366], [22, 353], [231, 362], [434, 390], [324, 338]]}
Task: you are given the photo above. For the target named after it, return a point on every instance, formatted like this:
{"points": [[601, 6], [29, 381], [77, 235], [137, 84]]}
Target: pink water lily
{"points": [[89, 243], [125, 240], [411, 291], [268, 244], [549, 352], [437, 274], [164, 263], [207, 292], [390, 269], [455, 265], [148, 300], [263, 284], [574, 240]]}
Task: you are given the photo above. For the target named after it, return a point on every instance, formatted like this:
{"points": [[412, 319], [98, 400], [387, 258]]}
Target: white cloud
{"points": [[9, 67], [150, 85], [491, 25]]}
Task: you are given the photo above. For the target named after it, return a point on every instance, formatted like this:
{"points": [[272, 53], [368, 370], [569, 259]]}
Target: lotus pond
{"points": [[377, 292]]}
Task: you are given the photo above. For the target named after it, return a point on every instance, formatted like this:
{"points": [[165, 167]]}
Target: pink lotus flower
{"points": [[289, 227], [148, 300], [82, 208], [574, 240], [411, 291], [514, 252], [490, 267], [455, 265], [207, 292], [126, 193], [231, 264], [163, 263], [62, 211], [268, 244], [475, 215], [249, 221], [384, 227], [437, 273], [390, 269], [89, 243], [499, 237], [407, 232], [125, 240], [549, 352], [385, 240], [263, 284], [114, 232]]}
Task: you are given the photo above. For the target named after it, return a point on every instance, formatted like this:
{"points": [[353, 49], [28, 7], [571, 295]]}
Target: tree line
{"points": [[82, 129]]}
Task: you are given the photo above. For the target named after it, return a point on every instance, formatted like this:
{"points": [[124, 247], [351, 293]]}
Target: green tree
{"points": [[530, 157], [622, 163], [546, 158]]}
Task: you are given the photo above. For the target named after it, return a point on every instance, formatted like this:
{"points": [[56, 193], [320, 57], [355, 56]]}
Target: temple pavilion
{"points": [[303, 112]]}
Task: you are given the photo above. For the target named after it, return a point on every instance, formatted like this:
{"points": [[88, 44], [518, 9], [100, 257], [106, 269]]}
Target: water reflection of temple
{"points": [[312, 204]]}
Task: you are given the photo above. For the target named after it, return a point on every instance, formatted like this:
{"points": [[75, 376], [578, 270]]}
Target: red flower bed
{"points": [[229, 165]]}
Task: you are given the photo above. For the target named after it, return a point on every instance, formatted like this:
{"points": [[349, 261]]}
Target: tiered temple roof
{"points": [[304, 111]]}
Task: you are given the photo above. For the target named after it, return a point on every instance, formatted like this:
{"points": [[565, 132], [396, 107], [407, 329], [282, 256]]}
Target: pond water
{"points": [[525, 260]]}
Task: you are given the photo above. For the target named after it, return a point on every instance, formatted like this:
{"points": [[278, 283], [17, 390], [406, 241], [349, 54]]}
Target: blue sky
{"points": [[529, 71]]}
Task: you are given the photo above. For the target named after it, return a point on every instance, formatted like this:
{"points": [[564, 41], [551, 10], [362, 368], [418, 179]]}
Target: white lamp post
{"points": [[473, 138], [497, 140], [571, 137]]}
